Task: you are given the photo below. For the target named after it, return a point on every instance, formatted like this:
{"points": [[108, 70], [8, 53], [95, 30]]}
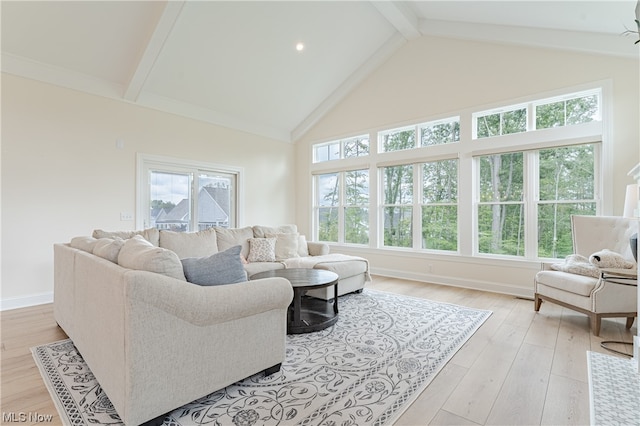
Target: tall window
{"points": [[342, 207], [397, 209], [501, 206], [440, 205], [186, 196], [567, 186]]}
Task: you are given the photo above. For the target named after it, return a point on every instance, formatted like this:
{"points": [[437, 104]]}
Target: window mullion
{"points": [[531, 200], [417, 206]]}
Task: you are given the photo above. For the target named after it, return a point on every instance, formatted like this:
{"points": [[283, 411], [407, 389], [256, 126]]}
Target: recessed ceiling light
{"points": [[299, 46]]}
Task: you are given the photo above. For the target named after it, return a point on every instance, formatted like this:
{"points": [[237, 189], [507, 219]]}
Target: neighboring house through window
{"points": [[181, 195]]}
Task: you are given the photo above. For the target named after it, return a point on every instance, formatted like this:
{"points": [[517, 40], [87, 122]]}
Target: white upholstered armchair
{"points": [[595, 297]]}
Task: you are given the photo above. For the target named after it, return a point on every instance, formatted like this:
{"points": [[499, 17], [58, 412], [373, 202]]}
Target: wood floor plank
{"points": [[477, 391], [567, 402], [521, 399], [570, 359], [428, 404]]}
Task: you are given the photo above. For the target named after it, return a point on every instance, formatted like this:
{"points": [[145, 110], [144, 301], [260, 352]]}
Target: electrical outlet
{"points": [[126, 216]]}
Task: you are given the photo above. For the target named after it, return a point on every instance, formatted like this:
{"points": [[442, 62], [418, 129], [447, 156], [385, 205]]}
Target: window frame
{"points": [[146, 163]]}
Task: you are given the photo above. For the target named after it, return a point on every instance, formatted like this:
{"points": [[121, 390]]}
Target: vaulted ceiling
{"points": [[235, 63]]}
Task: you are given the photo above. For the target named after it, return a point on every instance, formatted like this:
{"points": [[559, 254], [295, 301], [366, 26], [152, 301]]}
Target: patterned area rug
{"points": [[365, 370], [614, 390]]}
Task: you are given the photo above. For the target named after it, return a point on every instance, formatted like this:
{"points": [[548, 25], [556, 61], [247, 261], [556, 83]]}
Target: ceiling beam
{"points": [[145, 65], [400, 16]]}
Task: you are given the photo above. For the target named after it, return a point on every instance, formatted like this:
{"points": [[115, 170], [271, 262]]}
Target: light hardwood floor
{"points": [[519, 368]]}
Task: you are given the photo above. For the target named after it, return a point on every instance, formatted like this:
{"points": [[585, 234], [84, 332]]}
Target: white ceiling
{"points": [[235, 64]]}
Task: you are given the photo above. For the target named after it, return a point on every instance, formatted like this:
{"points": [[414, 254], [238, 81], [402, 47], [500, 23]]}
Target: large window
{"points": [[567, 186], [501, 206], [186, 196], [397, 182], [440, 205], [342, 207], [500, 182]]}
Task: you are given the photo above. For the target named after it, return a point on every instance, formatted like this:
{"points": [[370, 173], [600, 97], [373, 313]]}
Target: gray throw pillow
{"points": [[224, 267]]}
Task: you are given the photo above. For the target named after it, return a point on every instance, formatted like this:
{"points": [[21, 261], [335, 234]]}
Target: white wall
{"points": [[63, 176], [432, 77]]}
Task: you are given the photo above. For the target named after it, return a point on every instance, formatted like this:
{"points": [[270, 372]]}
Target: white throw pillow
{"points": [[303, 249], [108, 248], [138, 253], [262, 250], [286, 245]]}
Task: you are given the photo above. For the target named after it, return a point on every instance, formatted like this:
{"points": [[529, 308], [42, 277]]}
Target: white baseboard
{"points": [[23, 302], [493, 287]]}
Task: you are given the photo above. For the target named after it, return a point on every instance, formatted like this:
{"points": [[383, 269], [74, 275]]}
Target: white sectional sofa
{"points": [[155, 341]]}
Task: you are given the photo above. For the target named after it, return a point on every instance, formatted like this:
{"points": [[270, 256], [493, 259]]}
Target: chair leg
{"points": [[595, 324], [537, 303], [630, 321]]}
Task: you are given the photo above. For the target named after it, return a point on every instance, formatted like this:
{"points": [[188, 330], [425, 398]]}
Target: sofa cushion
{"points": [[262, 250], [83, 243], [150, 234], [108, 248], [229, 237], [344, 269], [572, 283], [190, 244], [262, 231], [138, 253], [286, 245], [257, 267], [224, 267]]}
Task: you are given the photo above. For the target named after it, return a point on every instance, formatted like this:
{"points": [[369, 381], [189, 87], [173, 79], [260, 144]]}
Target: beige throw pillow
{"points": [[138, 253], [262, 231], [108, 248], [230, 237], [286, 245], [151, 234], [83, 243], [190, 244]]}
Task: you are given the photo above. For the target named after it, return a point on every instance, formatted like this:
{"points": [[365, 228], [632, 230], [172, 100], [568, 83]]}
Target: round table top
{"points": [[301, 277]]}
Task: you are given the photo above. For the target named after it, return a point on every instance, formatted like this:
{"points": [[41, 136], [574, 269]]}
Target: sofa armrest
{"points": [[317, 249], [207, 305]]}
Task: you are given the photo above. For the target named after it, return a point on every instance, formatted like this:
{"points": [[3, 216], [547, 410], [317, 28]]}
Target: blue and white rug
{"points": [[365, 370]]}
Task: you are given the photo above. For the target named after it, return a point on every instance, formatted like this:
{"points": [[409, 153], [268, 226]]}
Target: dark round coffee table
{"points": [[306, 313]]}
